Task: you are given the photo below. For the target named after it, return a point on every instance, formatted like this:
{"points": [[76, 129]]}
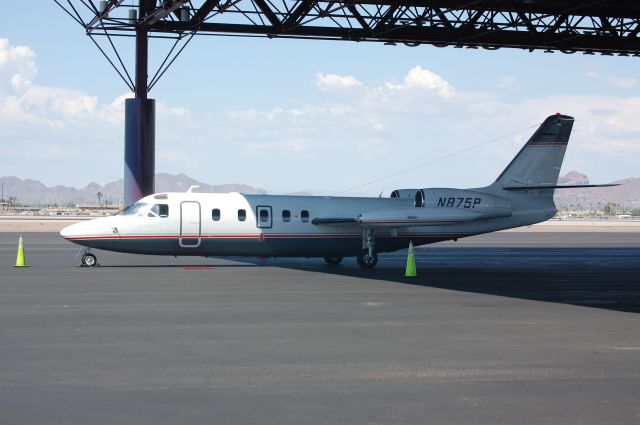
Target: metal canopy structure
{"points": [[607, 27], [604, 26]]}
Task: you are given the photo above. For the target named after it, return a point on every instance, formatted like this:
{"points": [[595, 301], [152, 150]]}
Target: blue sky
{"points": [[291, 115]]}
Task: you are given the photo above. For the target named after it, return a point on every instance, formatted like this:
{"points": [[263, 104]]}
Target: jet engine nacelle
{"points": [[404, 193], [407, 194]]}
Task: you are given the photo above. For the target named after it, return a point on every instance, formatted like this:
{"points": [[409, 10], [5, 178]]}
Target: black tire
{"points": [[89, 260], [365, 261], [334, 261]]}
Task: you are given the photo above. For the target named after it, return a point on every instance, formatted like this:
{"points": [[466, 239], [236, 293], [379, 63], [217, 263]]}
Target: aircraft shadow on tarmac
{"points": [[606, 278], [246, 264]]}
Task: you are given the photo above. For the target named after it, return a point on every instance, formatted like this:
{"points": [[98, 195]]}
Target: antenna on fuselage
{"points": [[190, 190]]}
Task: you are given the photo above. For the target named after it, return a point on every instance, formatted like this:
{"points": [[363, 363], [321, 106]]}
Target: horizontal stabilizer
{"points": [[333, 220], [522, 188]]}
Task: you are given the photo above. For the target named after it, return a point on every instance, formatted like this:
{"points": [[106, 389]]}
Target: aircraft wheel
{"points": [[89, 260], [333, 260], [367, 261]]}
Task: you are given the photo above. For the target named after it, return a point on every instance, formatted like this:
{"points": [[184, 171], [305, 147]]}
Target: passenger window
{"points": [[264, 216], [160, 210], [215, 214], [286, 215], [242, 215], [304, 215]]}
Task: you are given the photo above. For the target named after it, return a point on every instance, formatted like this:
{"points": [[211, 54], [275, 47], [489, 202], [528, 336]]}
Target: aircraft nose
{"points": [[73, 231]]}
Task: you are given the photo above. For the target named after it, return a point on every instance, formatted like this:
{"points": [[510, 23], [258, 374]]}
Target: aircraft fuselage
{"points": [[232, 224]]}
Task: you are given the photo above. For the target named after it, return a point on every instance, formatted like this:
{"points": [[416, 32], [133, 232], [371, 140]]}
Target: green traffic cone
{"points": [[20, 261], [411, 263]]}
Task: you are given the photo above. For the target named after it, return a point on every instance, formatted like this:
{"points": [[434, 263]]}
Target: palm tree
{"points": [[99, 195], [609, 209], [12, 202]]}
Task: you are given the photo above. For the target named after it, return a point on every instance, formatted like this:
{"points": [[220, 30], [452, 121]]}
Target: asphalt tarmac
{"points": [[523, 328]]}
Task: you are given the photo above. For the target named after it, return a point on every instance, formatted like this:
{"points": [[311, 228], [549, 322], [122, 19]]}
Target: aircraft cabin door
{"points": [[263, 217], [190, 225]]}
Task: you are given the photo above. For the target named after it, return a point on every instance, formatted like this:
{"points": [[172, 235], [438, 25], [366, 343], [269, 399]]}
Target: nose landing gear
{"points": [[87, 259]]}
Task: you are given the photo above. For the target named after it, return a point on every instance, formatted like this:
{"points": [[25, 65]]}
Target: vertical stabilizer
{"points": [[538, 163]]}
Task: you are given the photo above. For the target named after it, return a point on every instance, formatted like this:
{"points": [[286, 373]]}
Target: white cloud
{"points": [[59, 102], [421, 90], [61, 128], [113, 112], [36, 109], [17, 66], [510, 83], [409, 115], [424, 79], [622, 81], [333, 82], [604, 124], [417, 78]]}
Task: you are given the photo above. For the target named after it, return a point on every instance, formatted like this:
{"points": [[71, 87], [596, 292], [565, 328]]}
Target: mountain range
{"points": [[626, 195], [33, 192]]}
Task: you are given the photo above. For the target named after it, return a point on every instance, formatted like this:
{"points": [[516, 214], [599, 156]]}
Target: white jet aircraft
{"points": [[233, 224]]}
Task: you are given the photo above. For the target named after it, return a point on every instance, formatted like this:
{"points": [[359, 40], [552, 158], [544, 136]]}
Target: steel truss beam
{"points": [[603, 26]]}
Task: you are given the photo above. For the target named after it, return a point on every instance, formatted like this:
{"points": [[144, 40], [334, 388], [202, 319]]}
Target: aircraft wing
{"points": [[334, 220]]}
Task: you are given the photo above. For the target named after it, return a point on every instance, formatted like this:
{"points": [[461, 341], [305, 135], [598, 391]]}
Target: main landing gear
{"points": [[334, 261], [368, 258]]}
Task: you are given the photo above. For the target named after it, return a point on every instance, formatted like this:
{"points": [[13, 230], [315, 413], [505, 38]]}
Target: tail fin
{"points": [[538, 162]]}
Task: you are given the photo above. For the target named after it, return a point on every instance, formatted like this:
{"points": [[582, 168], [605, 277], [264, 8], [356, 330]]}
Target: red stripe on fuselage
{"points": [[547, 144], [256, 236]]}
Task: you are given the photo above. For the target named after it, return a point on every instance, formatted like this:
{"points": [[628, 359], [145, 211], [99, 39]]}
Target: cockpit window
{"points": [[133, 209], [159, 210]]}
